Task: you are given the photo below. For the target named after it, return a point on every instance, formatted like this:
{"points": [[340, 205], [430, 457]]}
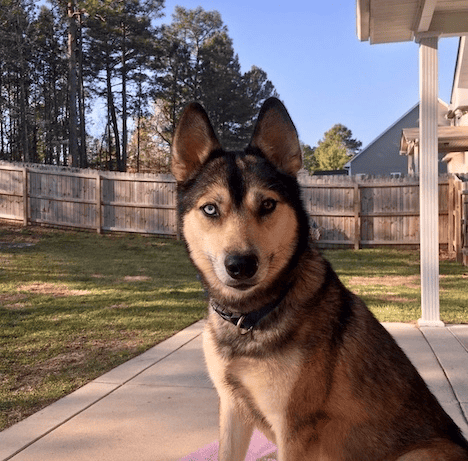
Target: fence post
{"points": [[98, 203], [25, 197], [451, 231], [178, 235], [458, 210], [357, 216], [464, 225]]}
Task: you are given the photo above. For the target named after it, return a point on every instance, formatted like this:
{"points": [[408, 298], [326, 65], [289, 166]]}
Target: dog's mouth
{"points": [[242, 286]]}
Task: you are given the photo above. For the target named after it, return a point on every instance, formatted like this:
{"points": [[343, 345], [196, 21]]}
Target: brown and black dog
{"points": [[291, 350]]}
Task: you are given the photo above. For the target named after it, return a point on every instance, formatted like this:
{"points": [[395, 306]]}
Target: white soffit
{"points": [[386, 21]]}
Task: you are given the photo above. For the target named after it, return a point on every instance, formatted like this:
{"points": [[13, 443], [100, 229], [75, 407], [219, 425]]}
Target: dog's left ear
{"points": [[194, 140], [276, 136]]}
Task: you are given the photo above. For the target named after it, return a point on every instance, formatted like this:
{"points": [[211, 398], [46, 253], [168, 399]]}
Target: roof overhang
{"points": [[451, 139], [386, 21]]}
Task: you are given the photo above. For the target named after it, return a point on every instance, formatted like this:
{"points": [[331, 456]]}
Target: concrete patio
{"points": [[161, 406]]}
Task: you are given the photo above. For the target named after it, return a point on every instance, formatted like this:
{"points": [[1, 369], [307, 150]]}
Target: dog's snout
{"points": [[241, 266]]}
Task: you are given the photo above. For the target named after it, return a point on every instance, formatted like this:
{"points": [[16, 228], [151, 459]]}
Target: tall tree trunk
{"points": [[81, 103], [113, 116], [72, 85], [2, 126], [124, 100], [139, 115], [24, 140]]}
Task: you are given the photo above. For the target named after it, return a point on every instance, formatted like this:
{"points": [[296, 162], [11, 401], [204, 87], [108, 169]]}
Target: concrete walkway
{"points": [[161, 406]]}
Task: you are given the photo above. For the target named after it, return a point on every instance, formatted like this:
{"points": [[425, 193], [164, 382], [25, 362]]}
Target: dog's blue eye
{"points": [[268, 206], [210, 210]]}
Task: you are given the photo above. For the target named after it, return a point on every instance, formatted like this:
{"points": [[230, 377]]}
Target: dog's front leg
{"points": [[235, 433]]}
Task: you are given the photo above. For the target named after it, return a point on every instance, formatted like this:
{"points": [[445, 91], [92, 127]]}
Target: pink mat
{"points": [[259, 447]]}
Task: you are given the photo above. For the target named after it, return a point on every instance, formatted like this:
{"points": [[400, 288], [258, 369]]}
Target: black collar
{"points": [[247, 322]]}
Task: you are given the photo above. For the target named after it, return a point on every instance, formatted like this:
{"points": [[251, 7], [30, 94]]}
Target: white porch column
{"points": [[428, 181]]}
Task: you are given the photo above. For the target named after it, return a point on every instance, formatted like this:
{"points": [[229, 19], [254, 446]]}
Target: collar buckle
{"points": [[240, 329]]}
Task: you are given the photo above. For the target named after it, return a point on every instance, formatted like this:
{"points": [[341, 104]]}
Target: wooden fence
{"points": [[380, 210], [347, 211], [104, 201]]}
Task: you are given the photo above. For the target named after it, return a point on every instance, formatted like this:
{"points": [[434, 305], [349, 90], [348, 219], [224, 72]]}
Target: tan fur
{"points": [[274, 239], [270, 394]]}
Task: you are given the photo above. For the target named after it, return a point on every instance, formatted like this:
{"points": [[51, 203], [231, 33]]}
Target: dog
{"points": [[289, 349]]}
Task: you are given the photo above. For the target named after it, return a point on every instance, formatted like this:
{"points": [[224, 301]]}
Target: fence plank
{"points": [[357, 218], [25, 196]]}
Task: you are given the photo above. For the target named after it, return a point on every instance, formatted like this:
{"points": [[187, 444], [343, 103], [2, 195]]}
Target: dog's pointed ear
{"points": [[194, 140], [276, 136]]}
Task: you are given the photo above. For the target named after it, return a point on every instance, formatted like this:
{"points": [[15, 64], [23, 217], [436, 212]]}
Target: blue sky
{"points": [[320, 69]]}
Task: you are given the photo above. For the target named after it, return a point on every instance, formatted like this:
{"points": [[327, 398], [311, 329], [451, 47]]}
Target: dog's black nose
{"points": [[241, 267]]}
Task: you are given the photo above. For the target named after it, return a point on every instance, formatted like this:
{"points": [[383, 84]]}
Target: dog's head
{"points": [[240, 212]]}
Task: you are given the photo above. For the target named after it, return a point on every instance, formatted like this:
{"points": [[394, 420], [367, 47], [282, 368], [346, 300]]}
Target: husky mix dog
{"points": [[291, 350]]}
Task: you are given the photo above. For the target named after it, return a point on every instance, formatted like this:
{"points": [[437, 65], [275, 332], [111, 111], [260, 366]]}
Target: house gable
{"points": [[382, 155]]}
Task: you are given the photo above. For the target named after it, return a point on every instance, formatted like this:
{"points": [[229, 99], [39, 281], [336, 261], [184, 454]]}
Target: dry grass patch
{"points": [[51, 289], [136, 278], [412, 281]]}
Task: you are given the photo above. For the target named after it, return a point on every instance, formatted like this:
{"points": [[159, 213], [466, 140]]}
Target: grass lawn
{"points": [[389, 282], [73, 305]]}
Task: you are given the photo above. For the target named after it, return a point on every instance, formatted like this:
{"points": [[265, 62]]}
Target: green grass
{"points": [[76, 304], [389, 282]]}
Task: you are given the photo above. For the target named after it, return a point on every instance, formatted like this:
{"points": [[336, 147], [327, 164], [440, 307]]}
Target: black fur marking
{"points": [[235, 178]]}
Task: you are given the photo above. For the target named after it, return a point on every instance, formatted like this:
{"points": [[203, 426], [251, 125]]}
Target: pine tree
{"points": [[200, 64], [222, 91], [15, 85], [50, 86], [119, 35]]}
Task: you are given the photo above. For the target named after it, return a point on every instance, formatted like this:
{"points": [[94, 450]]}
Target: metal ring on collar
{"points": [[241, 330]]}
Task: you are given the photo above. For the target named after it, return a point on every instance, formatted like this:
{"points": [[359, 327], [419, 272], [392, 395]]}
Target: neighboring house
{"points": [[382, 156], [452, 135]]}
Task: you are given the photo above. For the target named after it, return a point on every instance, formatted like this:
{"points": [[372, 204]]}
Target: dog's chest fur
{"points": [[262, 388]]}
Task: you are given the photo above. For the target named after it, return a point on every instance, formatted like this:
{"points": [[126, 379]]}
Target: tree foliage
{"points": [[59, 63], [202, 66], [332, 152]]}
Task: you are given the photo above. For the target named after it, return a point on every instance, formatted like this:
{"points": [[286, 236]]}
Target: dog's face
{"points": [[239, 209]]}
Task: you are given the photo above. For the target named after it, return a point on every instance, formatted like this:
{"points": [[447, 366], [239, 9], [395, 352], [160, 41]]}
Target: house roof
{"points": [[443, 107], [380, 135], [386, 21], [451, 139]]}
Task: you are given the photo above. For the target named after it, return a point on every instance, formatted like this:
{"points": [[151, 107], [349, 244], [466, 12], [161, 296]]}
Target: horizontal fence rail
{"points": [[344, 210]]}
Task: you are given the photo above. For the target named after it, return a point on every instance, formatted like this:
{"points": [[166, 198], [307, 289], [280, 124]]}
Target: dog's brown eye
{"points": [[210, 210], [268, 206]]}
